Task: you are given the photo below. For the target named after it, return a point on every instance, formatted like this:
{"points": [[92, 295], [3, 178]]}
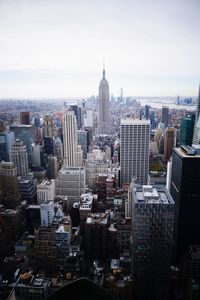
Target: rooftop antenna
{"points": [[104, 69]]}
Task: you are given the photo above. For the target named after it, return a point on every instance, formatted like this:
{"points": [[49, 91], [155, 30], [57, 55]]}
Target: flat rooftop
{"points": [[182, 153], [97, 218], [21, 126], [71, 170], [61, 229], [10, 211], [152, 194], [45, 182], [129, 121]]}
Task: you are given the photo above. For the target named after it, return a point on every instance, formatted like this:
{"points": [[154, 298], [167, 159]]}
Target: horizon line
{"points": [[85, 97]]}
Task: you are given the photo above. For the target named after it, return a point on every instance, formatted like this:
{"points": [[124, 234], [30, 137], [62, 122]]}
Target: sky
{"points": [[56, 48]]}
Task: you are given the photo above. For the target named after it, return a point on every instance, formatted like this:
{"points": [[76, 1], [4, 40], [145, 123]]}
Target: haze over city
{"points": [[56, 48]]}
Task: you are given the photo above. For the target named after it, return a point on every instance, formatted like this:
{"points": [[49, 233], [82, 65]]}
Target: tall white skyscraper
{"points": [[134, 150], [19, 156], [196, 135], [70, 140], [104, 105]]}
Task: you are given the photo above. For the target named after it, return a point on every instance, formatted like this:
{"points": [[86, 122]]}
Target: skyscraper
{"points": [[104, 105], [58, 149], [134, 150], [70, 140], [82, 141], [6, 141], [168, 143], [77, 112], [146, 112], [26, 134], [9, 191], [196, 135], [96, 237], [186, 130], [52, 170], [48, 126], [152, 241], [165, 115], [25, 118], [45, 249], [186, 194], [19, 157]]}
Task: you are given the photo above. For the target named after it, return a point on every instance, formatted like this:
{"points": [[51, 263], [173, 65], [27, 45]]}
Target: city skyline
{"points": [[56, 49]]}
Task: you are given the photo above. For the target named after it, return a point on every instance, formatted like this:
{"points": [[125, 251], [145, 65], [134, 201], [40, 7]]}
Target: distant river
{"points": [[162, 101]]}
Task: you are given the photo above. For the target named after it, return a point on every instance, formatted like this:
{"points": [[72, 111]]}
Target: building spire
{"points": [[104, 70]]}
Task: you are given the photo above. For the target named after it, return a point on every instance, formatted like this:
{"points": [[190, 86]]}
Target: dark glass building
{"points": [[186, 130], [49, 145], [165, 115], [77, 112], [185, 191], [152, 241]]}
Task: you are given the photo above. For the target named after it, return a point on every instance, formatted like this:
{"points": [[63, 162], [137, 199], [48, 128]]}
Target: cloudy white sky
{"points": [[55, 48]]}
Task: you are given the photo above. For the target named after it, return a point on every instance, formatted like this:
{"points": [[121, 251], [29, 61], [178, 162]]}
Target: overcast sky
{"points": [[53, 48]]}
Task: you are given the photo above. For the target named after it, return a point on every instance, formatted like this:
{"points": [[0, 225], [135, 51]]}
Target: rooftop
{"points": [[152, 194], [21, 125], [46, 182], [61, 229], [10, 212], [129, 121], [183, 153], [100, 218]]}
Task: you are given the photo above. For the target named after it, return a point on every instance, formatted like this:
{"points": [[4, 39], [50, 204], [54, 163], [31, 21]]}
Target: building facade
{"points": [[46, 191], [47, 213], [152, 241], [70, 140], [186, 130], [19, 156], [45, 250], [196, 135], [71, 183], [186, 194], [25, 118], [82, 141], [6, 141], [134, 150], [48, 126], [168, 142], [96, 231], [165, 115], [9, 190], [26, 134]]}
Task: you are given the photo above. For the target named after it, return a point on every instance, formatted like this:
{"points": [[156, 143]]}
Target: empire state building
{"points": [[104, 106]]}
